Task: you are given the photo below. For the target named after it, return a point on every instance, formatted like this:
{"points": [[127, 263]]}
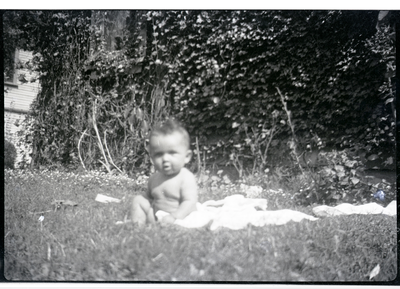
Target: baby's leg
{"points": [[151, 216], [141, 211]]}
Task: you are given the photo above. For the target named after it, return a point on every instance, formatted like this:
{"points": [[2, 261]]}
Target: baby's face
{"points": [[169, 153]]}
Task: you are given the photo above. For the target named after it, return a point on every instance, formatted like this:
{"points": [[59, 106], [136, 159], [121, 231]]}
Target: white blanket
{"points": [[348, 209], [236, 212]]}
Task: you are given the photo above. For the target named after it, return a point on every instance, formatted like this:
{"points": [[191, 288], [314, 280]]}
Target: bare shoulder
{"points": [[187, 177], [187, 174]]}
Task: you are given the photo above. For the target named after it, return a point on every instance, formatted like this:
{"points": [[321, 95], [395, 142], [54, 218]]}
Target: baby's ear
{"points": [[189, 154]]}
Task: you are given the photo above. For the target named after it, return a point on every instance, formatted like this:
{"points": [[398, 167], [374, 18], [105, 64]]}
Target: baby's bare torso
{"points": [[165, 191]]}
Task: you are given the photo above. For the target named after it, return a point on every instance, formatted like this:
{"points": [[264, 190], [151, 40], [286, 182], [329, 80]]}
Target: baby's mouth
{"points": [[166, 168]]}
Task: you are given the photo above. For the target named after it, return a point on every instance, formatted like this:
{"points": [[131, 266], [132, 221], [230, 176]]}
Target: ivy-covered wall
{"points": [[247, 84]]}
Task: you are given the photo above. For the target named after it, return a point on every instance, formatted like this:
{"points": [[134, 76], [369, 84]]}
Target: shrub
{"points": [[23, 142], [10, 154]]}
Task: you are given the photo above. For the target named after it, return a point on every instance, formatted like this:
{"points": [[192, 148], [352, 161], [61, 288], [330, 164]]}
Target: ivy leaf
{"points": [[354, 180], [373, 157]]}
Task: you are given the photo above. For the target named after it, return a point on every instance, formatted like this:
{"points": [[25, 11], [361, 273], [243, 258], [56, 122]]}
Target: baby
{"points": [[172, 188]]}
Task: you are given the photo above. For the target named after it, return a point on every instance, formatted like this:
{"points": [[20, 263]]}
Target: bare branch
{"points": [[79, 150], [106, 164], [108, 152]]}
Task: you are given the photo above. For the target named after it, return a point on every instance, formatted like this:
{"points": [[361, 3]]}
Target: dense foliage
{"points": [[10, 155], [253, 87], [227, 69]]}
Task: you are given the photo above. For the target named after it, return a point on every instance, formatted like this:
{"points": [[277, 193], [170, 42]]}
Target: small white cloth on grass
{"points": [[348, 209], [236, 212], [106, 199]]}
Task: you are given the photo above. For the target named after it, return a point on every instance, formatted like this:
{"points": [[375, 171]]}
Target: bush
{"points": [[10, 154], [23, 143]]}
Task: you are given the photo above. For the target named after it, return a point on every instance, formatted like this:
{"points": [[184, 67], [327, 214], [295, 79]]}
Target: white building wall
{"points": [[17, 100]]}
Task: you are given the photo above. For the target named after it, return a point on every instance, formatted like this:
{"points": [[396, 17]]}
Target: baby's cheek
{"points": [[157, 163]]}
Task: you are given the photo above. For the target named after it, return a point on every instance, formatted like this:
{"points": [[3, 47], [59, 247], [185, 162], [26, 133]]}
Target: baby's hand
{"points": [[168, 219]]}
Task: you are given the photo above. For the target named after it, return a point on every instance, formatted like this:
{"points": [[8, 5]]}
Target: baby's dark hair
{"points": [[170, 126]]}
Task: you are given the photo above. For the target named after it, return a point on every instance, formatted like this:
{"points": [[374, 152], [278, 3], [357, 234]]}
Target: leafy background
{"points": [[266, 92]]}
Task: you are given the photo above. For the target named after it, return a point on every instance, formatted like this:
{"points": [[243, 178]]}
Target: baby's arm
{"points": [[188, 194], [147, 193]]}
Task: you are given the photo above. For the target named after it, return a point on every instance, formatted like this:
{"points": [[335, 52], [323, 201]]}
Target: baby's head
{"points": [[170, 127], [170, 147]]}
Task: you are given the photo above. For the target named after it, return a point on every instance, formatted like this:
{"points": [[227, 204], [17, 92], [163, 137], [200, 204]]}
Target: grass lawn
{"points": [[83, 243]]}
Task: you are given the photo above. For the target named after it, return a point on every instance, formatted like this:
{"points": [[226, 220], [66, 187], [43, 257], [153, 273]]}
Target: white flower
{"points": [[253, 191], [235, 124]]}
